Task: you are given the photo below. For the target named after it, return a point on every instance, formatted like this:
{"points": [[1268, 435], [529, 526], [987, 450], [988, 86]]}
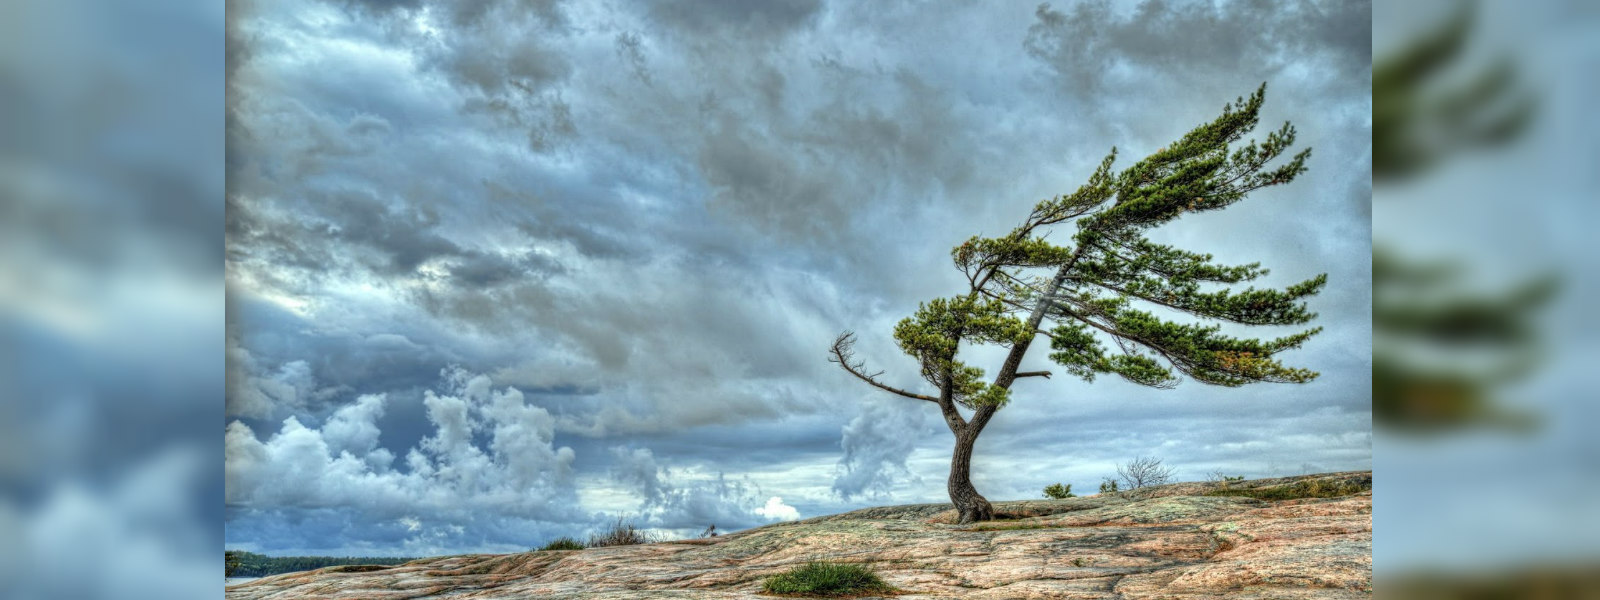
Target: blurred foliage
{"points": [[1484, 338], [1438, 349], [1547, 583], [1421, 116]]}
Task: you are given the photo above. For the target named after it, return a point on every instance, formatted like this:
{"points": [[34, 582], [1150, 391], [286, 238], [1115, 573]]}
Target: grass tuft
{"points": [[563, 543], [621, 533], [822, 578]]}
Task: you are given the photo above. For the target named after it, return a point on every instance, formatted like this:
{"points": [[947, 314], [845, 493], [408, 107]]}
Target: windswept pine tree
{"points": [[1092, 297]]}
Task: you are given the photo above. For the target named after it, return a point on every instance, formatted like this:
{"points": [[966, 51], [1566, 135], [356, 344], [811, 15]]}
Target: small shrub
{"points": [[1109, 486], [563, 543], [1057, 491], [1144, 471], [621, 533], [822, 578]]}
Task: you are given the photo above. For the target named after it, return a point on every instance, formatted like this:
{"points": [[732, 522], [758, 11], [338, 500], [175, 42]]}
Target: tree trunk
{"points": [[971, 505]]}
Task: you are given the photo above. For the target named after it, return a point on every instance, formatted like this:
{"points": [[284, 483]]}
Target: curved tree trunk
{"points": [[971, 505]]}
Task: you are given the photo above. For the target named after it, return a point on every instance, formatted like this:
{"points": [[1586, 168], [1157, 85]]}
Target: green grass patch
{"points": [[564, 543], [830, 579], [1315, 488]]}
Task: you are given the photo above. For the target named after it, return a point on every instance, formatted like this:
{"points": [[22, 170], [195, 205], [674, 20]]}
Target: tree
{"points": [[1144, 471], [1096, 289], [1058, 491]]}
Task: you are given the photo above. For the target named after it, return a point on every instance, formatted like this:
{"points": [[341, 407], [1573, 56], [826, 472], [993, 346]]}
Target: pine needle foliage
{"points": [[1095, 295], [1057, 491]]}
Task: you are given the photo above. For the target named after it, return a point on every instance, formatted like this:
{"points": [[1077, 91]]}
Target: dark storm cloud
{"points": [[382, 6], [648, 221], [753, 19], [352, 234], [1092, 45]]}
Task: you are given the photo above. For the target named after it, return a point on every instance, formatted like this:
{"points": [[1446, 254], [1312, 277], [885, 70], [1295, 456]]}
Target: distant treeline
{"points": [[250, 564]]}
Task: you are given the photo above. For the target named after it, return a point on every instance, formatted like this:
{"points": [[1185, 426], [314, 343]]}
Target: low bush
{"points": [[563, 543], [822, 578], [1057, 491]]}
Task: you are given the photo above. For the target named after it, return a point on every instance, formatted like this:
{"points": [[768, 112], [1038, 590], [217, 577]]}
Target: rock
{"points": [[1180, 541]]}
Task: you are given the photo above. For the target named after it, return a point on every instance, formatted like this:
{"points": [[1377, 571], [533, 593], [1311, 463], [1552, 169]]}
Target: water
{"points": [[239, 580]]}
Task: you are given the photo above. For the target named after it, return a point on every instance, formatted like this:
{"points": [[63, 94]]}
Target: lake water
{"points": [[238, 580]]}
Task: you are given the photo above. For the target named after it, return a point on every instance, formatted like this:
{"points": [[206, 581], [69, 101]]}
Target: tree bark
{"points": [[971, 505]]}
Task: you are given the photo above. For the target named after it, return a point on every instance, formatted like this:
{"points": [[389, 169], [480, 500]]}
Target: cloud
{"points": [[876, 444], [776, 510], [759, 20], [140, 530], [690, 500], [491, 456], [253, 393], [1095, 46]]}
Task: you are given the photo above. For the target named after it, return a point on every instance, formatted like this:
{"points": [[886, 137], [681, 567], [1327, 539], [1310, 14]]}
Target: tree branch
{"points": [[843, 353], [1044, 374]]}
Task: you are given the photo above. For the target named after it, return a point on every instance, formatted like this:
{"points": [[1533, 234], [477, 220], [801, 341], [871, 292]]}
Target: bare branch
{"points": [[1144, 471], [843, 353], [1044, 374]]}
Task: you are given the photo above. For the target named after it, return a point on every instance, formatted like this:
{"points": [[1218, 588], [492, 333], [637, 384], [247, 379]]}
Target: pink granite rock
{"points": [[1172, 541]]}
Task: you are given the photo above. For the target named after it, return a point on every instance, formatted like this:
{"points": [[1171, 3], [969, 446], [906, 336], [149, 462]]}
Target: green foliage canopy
{"points": [[1109, 264]]}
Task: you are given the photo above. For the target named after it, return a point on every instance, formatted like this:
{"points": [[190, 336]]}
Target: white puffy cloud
{"points": [[448, 479], [354, 428], [776, 510]]}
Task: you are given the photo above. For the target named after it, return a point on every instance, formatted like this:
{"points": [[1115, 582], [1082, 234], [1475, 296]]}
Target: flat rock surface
{"points": [[1165, 542]]}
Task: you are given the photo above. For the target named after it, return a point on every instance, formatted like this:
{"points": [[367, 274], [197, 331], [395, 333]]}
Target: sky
{"points": [[500, 271]]}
